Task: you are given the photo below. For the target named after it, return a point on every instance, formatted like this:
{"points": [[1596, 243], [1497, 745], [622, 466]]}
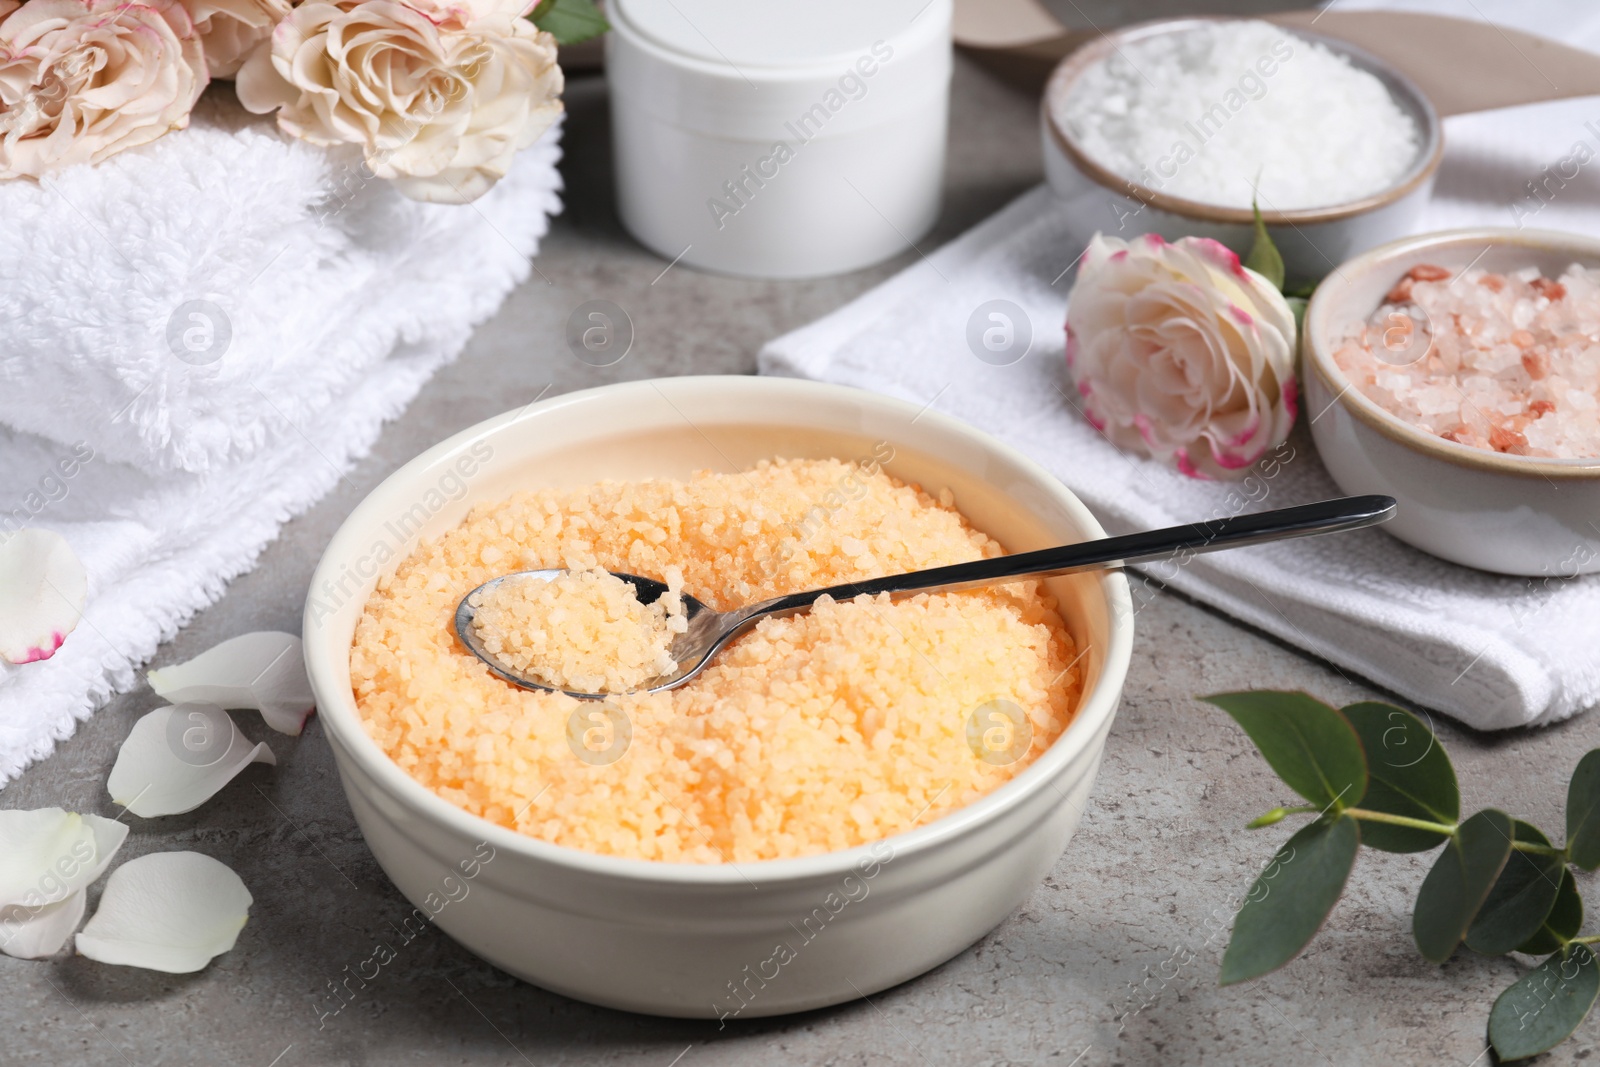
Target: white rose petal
{"points": [[47, 858], [168, 911], [177, 758], [47, 853], [264, 670], [43, 587], [38, 933]]}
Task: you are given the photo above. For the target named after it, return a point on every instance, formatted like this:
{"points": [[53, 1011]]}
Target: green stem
{"points": [[1401, 820], [1447, 828], [1590, 940]]}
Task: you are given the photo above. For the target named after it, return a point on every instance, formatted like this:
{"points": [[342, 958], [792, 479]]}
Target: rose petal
{"points": [[168, 911], [1186, 465], [43, 587], [264, 670], [177, 758], [47, 858], [47, 853], [36, 933]]}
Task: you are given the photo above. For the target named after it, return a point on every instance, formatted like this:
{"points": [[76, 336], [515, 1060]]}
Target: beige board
{"points": [[1021, 41]]}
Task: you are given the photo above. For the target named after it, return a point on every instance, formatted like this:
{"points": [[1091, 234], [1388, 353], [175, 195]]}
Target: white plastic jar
{"points": [[779, 138]]}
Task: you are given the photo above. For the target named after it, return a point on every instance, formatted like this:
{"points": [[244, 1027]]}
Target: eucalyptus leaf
{"points": [[1521, 898], [1563, 922], [1311, 746], [1459, 882], [1287, 905], [1583, 812], [1409, 774], [569, 21], [1264, 258], [1545, 1006]]}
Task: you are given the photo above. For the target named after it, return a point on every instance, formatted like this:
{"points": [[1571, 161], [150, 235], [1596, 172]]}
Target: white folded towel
{"points": [[278, 272], [354, 315], [1491, 651]]}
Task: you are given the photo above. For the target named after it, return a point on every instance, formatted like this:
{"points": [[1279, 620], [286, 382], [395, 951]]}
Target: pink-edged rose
{"points": [[1181, 353], [438, 96], [81, 80], [232, 29]]}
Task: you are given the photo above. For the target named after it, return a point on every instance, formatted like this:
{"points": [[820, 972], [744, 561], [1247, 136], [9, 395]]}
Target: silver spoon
{"points": [[710, 630]]}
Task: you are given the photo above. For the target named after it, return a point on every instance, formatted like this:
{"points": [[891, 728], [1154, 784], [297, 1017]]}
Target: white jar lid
{"points": [[772, 33]]}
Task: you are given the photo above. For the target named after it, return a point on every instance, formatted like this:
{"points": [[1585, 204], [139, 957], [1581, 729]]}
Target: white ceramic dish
{"points": [[688, 940], [1312, 240], [1509, 514]]}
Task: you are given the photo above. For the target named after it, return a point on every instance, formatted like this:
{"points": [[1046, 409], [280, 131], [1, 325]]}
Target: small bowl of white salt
{"points": [[1177, 127], [1459, 372]]}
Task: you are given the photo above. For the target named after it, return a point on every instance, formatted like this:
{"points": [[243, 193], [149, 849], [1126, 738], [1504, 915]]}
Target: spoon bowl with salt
{"points": [[706, 631]]}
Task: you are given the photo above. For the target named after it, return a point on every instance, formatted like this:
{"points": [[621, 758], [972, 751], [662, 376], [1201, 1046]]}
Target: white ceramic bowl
{"points": [[678, 939], [1509, 514], [1312, 240]]}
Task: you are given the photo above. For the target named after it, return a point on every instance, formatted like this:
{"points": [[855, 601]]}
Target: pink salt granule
{"points": [[1505, 362]]}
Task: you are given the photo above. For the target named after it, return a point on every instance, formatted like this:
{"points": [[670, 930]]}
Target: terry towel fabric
{"points": [[1494, 652], [341, 297]]}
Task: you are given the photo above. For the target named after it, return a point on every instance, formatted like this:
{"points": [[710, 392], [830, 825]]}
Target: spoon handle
{"points": [[1174, 542]]}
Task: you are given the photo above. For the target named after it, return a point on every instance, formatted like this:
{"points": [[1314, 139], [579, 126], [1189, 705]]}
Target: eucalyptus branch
{"points": [[1499, 885]]}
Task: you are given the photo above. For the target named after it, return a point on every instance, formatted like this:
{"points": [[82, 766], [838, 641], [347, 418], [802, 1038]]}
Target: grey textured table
{"points": [[1079, 975]]}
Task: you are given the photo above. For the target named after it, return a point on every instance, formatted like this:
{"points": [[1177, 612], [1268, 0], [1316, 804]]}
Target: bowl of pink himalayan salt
{"points": [[1459, 372], [847, 799]]}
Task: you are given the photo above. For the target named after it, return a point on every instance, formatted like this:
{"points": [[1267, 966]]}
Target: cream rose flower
{"points": [[439, 97], [1182, 353], [81, 80], [231, 29]]}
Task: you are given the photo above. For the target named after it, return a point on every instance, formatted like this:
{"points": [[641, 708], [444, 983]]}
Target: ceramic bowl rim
{"points": [[1317, 347], [337, 711], [1422, 169]]}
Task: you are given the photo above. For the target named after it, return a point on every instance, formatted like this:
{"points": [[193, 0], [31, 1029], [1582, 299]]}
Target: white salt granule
{"points": [[1210, 114]]}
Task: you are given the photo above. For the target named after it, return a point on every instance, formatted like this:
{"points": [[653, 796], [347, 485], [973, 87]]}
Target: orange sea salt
{"points": [[812, 733], [585, 631]]}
